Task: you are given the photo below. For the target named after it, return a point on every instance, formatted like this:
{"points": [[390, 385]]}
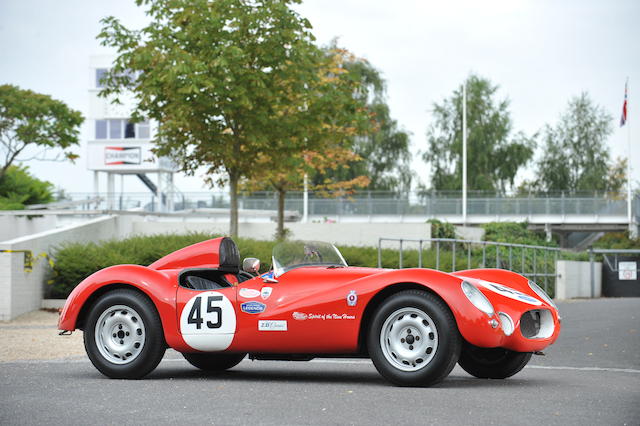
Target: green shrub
{"points": [[19, 188], [442, 229], [515, 233]]}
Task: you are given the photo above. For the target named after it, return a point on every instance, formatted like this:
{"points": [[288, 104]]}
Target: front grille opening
{"points": [[536, 324]]}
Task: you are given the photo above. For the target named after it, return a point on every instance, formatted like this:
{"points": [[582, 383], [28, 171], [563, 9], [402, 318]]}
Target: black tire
{"points": [[129, 342], [436, 353], [215, 361], [492, 363]]}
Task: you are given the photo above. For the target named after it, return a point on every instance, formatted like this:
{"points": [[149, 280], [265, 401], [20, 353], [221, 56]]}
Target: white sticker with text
{"points": [[272, 325]]}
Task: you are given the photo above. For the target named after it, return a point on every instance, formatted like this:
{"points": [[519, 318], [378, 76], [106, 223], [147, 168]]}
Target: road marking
{"points": [[333, 361], [617, 370]]}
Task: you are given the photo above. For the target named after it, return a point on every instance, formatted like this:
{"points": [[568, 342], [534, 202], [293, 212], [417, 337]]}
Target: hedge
{"points": [[75, 261]]}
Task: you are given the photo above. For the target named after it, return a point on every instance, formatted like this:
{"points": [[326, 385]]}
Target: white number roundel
{"points": [[208, 322]]}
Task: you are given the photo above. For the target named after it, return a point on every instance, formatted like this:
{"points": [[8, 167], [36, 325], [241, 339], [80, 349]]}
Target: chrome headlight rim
{"points": [[541, 293], [477, 298], [508, 326]]}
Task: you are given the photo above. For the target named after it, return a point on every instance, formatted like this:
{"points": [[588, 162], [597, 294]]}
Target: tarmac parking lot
{"points": [[590, 376]]}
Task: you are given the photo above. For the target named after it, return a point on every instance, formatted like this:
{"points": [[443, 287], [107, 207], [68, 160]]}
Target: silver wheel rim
{"points": [[409, 339], [120, 334]]}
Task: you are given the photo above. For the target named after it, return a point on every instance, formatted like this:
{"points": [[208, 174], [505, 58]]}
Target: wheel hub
{"points": [[409, 339], [120, 334]]}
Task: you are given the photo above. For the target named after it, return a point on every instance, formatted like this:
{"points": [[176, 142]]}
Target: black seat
{"points": [[229, 256], [204, 283], [212, 279]]}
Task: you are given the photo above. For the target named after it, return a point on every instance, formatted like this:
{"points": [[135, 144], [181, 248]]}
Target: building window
{"points": [[129, 130], [115, 129], [122, 129], [101, 129], [143, 130], [100, 73]]}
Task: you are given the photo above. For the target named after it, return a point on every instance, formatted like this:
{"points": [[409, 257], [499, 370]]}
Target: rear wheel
{"points": [[413, 339], [213, 362], [123, 335], [492, 363]]}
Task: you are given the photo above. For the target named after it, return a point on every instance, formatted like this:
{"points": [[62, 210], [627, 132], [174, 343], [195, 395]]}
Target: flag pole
{"points": [[629, 217], [464, 153]]}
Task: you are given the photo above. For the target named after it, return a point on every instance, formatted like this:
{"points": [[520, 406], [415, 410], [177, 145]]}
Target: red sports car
{"points": [[415, 324]]}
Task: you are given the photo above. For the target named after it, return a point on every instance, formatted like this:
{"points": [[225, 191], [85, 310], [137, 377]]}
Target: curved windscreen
{"points": [[294, 254]]}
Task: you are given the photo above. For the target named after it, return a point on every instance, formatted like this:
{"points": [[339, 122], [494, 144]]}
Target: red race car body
{"points": [[414, 323]]}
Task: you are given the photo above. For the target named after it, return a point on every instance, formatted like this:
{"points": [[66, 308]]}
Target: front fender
{"points": [[156, 285], [474, 325]]}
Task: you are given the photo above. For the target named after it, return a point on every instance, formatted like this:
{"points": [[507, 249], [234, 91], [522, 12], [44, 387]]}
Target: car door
{"points": [[305, 310]]}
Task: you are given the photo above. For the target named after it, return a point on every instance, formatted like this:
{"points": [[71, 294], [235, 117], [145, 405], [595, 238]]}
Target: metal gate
{"points": [[538, 263]]}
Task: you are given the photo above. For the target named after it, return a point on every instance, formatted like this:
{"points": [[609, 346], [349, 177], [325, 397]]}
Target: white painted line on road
{"points": [[332, 361], [617, 370]]}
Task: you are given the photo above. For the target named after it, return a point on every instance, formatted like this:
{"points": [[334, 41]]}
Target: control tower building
{"points": [[118, 146]]}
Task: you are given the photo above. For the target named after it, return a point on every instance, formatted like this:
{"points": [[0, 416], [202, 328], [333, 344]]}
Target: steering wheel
{"points": [[244, 276]]}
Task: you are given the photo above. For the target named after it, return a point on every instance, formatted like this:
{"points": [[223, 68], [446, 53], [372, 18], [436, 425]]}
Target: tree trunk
{"points": [[233, 195], [280, 231]]}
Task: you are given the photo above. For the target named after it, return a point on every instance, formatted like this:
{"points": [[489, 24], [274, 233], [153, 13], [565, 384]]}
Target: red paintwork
{"points": [[311, 291]]}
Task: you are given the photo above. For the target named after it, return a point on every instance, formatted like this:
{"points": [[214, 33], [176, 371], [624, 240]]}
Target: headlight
{"points": [[540, 292], [476, 297], [507, 323]]}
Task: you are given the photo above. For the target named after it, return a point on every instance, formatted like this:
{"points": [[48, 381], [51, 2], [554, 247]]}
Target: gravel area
{"points": [[35, 336]]}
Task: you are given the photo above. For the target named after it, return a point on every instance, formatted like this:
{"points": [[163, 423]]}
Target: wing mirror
{"points": [[251, 265]]}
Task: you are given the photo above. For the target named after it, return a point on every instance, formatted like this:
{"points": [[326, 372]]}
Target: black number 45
{"points": [[195, 316]]}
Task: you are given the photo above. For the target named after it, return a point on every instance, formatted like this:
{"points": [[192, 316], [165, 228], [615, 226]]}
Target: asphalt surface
{"points": [[591, 376]]}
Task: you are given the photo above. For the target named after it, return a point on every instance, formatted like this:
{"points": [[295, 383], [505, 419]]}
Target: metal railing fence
{"points": [[372, 203], [537, 263]]}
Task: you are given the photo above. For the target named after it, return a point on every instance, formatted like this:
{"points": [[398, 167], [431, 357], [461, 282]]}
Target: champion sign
{"points": [[118, 155], [252, 307]]}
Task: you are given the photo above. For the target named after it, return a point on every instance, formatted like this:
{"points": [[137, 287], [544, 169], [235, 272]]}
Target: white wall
{"points": [[21, 291], [574, 279], [16, 226], [352, 234]]}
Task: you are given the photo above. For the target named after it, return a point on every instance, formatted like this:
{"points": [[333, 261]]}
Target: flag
{"points": [[623, 118]]}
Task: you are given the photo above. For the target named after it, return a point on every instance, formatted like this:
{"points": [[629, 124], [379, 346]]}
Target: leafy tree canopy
{"points": [[494, 154], [19, 188], [329, 143], [382, 153], [33, 120], [575, 155], [225, 79]]}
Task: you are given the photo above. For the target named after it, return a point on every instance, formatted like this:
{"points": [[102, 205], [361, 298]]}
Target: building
{"points": [[121, 147]]}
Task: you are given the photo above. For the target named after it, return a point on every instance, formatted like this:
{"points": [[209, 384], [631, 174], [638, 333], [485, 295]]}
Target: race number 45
{"points": [[195, 315], [208, 321]]}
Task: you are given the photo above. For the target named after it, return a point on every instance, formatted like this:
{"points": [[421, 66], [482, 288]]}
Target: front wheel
{"points": [[413, 339], [213, 361], [123, 335], [492, 363]]}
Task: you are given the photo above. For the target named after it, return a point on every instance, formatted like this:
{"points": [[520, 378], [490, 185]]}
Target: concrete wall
{"points": [[21, 291], [574, 279], [16, 226], [352, 234]]}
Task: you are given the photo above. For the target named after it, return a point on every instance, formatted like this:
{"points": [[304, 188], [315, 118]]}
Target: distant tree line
{"points": [[574, 155]]}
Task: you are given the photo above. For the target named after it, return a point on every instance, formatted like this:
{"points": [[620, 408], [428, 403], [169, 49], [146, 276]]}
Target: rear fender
{"points": [[154, 284]]}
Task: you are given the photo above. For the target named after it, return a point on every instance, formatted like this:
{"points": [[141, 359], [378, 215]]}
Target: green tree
{"points": [[30, 120], [383, 150], [225, 80], [494, 154], [575, 155], [19, 188], [329, 139]]}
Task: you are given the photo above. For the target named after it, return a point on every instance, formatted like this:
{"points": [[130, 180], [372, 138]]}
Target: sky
{"points": [[541, 53]]}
